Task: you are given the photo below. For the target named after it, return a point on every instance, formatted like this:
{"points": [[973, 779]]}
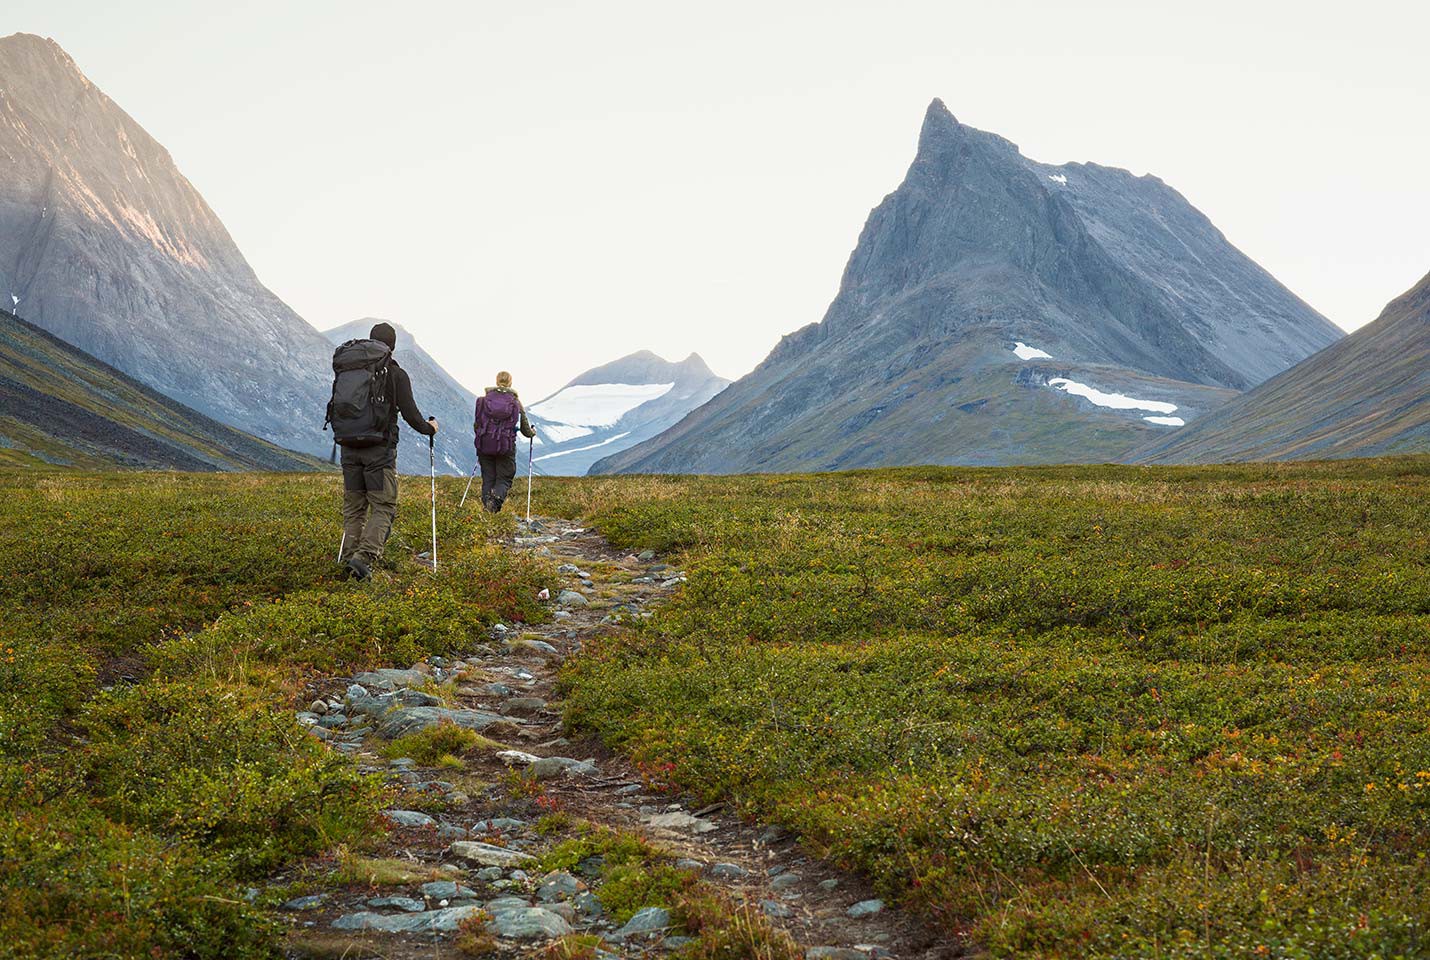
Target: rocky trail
{"points": [[464, 878]]}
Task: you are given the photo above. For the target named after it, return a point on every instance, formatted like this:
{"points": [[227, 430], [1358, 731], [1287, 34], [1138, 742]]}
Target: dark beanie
{"points": [[384, 333]]}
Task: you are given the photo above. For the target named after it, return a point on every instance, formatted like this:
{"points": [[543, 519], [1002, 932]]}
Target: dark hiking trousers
{"points": [[369, 500], [498, 471]]}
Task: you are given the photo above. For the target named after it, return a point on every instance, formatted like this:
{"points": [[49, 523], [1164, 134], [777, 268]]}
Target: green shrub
{"points": [[221, 767], [443, 741]]}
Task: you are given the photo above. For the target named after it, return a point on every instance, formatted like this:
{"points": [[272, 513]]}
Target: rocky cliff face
{"points": [[106, 245], [1367, 395], [617, 405], [992, 307]]}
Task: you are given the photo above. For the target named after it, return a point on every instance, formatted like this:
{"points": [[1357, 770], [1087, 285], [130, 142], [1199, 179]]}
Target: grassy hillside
{"points": [[155, 628], [1070, 712], [1365, 396], [60, 405]]}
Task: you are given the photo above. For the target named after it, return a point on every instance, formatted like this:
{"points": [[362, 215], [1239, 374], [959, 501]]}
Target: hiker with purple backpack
{"points": [[499, 415]]}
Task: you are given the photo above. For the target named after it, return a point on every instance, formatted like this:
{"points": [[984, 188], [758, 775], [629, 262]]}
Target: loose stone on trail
{"points": [[486, 855]]}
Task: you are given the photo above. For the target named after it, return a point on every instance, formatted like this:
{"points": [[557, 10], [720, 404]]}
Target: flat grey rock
{"points": [[405, 904], [377, 706], [389, 678], [529, 923], [644, 922], [401, 721], [487, 855], [680, 821], [445, 920], [409, 818], [865, 908], [558, 885], [500, 825], [446, 890], [306, 903], [549, 768], [570, 598]]}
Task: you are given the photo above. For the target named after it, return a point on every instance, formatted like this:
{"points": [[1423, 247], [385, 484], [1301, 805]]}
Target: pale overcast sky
{"points": [[547, 186]]}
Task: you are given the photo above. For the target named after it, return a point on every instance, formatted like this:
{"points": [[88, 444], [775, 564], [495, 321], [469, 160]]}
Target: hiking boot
{"points": [[358, 569]]}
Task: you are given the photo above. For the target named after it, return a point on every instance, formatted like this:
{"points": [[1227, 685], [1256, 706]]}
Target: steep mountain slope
{"points": [[110, 248], [59, 405], [1109, 281], [437, 393], [1368, 395], [616, 405]]}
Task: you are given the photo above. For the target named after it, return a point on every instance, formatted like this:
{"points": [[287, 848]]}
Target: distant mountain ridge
{"points": [[616, 405], [61, 406], [1368, 395], [110, 248], [1124, 288], [437, 392]]}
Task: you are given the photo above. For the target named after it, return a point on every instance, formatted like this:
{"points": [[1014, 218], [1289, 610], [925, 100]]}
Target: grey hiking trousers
{"points": [[369, 500], [498, 471]]}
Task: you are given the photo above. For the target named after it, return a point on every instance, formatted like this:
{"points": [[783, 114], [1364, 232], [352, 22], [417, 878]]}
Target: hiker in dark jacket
{"points": [[370, 473], [499, 415]]}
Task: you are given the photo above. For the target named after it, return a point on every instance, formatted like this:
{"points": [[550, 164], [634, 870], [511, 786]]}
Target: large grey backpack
{"points": [[360, 410]]}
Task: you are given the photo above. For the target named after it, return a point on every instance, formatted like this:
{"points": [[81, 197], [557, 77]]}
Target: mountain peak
{"points": [[34, 43], [695, 364], [940, 126]]}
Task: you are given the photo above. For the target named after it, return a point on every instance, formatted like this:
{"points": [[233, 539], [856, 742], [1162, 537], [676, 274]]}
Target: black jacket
{"points": [[402, 397]]}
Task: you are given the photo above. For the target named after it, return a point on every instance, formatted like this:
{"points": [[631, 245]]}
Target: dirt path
{"points": [[508, 694]]}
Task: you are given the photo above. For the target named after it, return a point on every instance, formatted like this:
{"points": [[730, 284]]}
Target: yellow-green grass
{"points": [[137, 814], [1066, 712]]}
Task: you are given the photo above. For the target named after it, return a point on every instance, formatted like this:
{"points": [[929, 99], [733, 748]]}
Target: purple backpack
{"points": [[498, 414]]}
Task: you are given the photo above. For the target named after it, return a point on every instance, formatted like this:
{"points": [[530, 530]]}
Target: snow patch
{"points": [[598, 404], [1166, 421], [1058, 178], [591, 446], [562, 432], [1114, 401], [1026, 352]]}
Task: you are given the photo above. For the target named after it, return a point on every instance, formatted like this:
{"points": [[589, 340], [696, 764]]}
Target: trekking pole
{"points": [[342, 543], [432, 460], [469, 483], [530, 449]]}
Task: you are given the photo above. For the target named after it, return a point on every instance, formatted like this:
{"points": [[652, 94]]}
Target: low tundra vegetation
{"points": [[1066, 712], [155, 630], [629, 874]]}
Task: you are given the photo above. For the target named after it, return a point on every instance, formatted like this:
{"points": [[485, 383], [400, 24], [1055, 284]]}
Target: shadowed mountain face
{"points": [[110, 248], [1113, 285], [59, 405], [437, 393], [614, 406], [1368, 395]]}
